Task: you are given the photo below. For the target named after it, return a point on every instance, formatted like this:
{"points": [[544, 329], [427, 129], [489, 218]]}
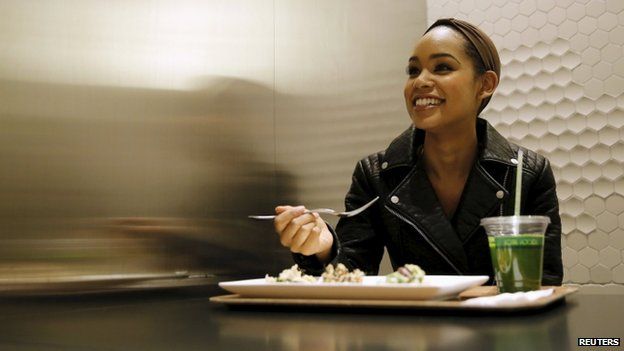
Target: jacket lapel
{"points": [[416, 200], [478, 201]]}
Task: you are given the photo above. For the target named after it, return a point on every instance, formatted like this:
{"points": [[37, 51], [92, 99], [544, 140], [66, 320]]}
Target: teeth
{"points": [[427, 101]]}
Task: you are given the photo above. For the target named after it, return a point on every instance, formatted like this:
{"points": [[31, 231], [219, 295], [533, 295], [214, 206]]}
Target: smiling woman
{"points": [[436, 180]]}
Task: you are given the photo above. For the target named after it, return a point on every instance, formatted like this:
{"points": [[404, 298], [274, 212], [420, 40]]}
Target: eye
{"points": [[443, 67], [412, 71]]}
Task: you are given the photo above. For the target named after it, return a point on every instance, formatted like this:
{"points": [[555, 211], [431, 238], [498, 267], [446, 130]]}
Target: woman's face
{"points": [[442, 91]]}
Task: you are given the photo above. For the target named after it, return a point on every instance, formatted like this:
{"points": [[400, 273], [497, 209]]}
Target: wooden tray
{"points": [[558, 295]]}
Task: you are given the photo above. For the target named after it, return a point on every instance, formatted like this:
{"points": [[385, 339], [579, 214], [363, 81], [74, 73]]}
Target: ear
{"points": [[489, 82]]}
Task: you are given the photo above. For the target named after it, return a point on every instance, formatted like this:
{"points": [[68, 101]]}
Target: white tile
{"points": [[567, 29], [600, 274], [588, 257], [617, 153], [579, 274], [596, 121], [616, 36], [575, 12], [583, 73], [608, 136], [606, 104], [591, 171], [538, 128], [538, 20], [557, 125], [568, 141], [502, 26], [573, 91], [579, 42], [564, 191], [576, 123], [588, 138], [607, 221], [573, 206], [611, 53], [562, 77], [585, 223], [565, 108], [610, 257], [612, 171], [569, 256], [615, 6], [595, 8], [556, 16], [530, 36], [618, 273], [607, 21], [577, 240], [615, 202], [580, 155], [599, 154], [616, 237], [616, 119], [590, 56], [572, 174], [587, 25], [582, 188], [598, 240], [614, 86], [568, 226], [594, 205], [544, 5], [602, 70]]}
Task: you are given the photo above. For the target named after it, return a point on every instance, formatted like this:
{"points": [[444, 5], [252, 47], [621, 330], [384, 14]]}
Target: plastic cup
{"points": [[517, 250]]}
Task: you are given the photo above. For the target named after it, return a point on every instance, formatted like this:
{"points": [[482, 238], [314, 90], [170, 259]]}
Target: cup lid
{"points": [[515, 220]]}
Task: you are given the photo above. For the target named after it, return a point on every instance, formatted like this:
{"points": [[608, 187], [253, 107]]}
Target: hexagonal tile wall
{"points": [[562, 95]]}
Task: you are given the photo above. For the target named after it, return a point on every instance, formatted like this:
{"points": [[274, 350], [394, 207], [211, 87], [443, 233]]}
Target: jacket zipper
{"points": [[505, 187], [425, 237]]}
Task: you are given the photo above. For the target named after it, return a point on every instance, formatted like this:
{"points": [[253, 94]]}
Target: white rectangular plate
{"points": [[433, 287]]}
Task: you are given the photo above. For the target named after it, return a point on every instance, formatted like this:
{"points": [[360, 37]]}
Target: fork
{"points": [[328, 211]]}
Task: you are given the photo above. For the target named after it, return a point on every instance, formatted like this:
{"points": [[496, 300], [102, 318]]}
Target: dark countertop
{"points": [[186, 320]]}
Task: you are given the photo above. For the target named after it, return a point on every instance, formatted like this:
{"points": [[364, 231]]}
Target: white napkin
{"points": [[508, 299]]}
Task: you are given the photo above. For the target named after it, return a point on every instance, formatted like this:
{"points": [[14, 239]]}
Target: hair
{"points": [[479, 47]]}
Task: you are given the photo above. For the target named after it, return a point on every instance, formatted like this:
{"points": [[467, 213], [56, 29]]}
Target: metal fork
{"points": [[328, 211]]}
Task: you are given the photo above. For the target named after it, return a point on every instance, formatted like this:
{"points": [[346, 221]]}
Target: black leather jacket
{"points": [[409, 221]]}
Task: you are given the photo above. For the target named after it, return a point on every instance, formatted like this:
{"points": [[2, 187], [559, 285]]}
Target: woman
{"points": [[437, 179]]}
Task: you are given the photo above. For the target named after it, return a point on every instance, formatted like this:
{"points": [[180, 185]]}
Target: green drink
{"points": [[517, 247], [517, 261]]}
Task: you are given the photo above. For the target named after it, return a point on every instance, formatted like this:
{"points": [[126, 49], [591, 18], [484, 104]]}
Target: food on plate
{"points": [[341, 274], [410, 273], [291, 275]]}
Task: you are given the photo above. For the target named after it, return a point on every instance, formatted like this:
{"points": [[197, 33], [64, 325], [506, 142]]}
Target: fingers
{"points": [[303, 235], [295, 228], [310, 245], [287, 214]]}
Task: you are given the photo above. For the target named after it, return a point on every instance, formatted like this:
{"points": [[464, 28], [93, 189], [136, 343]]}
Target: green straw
{"points": [[518, 184]]}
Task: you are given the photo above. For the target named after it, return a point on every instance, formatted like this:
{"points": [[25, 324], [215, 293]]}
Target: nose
{"points": [[423, 81]]}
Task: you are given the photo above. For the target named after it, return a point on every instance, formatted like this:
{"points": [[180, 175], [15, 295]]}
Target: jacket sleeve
{"points": [[357, 243], [542, 200]]}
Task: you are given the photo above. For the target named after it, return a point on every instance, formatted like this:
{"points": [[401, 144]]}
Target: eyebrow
{"points": [[433, 56]]}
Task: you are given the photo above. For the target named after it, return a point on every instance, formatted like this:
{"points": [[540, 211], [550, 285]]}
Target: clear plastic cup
{"points": [[517, 250]]}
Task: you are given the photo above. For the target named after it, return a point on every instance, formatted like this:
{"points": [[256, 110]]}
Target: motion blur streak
{"points": [[135, 136]]}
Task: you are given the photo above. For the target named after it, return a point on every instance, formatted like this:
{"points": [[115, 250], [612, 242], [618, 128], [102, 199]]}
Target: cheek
{"points": [[407, 89]]}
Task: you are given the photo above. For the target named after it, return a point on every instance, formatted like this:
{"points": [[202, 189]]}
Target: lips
{"points": [[426, 102]]}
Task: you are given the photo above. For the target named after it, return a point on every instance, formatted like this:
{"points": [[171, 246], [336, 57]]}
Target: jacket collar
{"points": [[493, 146], [416, 201]]}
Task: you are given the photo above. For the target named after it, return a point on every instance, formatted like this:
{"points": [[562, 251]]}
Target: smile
{"points": [[427, 102]]}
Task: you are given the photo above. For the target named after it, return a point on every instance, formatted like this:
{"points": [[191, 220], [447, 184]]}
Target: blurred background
{"points": [[136, 136]]}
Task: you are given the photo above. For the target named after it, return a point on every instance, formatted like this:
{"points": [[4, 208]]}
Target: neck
{"points": [[450, 154]]}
